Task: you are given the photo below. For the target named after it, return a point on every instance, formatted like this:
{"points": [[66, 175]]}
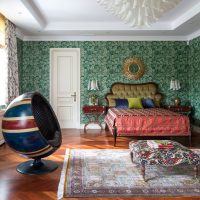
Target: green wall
{"points": [[20, 59], [104, 60], [194, 77]]}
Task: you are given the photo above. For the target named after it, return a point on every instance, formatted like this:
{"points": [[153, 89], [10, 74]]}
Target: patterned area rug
{"points": [[110, 172]]}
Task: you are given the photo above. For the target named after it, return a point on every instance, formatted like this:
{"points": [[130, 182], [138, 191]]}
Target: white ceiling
{"points": [[87, 20]]}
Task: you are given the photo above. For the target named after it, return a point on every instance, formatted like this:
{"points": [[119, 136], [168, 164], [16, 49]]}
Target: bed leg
{"points": [[190, 140], [106, 127], [115, 135]]}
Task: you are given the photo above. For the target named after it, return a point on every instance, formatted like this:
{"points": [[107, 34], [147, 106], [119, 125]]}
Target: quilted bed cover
{"points": [[147, 122]]}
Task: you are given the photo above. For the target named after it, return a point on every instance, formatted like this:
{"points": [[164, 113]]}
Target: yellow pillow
{"points": [[135, 103]]}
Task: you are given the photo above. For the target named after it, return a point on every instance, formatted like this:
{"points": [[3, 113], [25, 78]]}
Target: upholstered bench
{"points": [[143, 154]]}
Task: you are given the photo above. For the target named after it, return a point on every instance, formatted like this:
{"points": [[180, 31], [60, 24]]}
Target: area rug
{"points": [[110, 173]]}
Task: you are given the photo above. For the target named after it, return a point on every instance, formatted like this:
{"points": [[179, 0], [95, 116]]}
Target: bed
{"points": [[143, 122]]}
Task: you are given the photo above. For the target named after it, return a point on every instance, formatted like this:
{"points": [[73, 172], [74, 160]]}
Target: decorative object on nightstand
{"points": [[186, 110], [93, 98], [93, 114], [175, 85]]}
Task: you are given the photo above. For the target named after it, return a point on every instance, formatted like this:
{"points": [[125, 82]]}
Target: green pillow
{"points": [[135, 103]]}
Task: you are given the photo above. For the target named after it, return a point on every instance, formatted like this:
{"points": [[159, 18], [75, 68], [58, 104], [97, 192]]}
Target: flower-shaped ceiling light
{"points": [[138, 13]]}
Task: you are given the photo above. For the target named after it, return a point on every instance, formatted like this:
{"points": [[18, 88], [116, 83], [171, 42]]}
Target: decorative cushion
{"points": [[148, 103], [121, 103], [135, 103]]}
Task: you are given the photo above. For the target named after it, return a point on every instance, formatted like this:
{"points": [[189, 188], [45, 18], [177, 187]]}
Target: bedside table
{"points": [[93, 114], [186, 110]]}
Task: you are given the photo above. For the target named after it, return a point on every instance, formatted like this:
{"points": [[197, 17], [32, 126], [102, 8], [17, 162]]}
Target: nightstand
{"points": [[93, 114], [186, 110]]}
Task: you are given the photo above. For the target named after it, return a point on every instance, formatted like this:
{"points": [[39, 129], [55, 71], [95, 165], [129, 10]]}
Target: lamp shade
{"points": [[93, 85], [175, 85]]}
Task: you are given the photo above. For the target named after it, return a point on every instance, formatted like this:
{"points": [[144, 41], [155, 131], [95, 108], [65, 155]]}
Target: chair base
{"points": [[37, 166]]}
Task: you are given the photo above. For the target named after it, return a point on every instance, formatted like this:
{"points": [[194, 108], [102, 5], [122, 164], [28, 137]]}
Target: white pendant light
{"points": [[138, 13]]}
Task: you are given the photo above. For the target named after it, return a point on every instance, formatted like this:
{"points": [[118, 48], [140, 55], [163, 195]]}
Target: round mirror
{"points": [[133, 68]]}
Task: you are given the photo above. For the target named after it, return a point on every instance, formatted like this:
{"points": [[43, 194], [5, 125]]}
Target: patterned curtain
{"points": [[11, 48]]}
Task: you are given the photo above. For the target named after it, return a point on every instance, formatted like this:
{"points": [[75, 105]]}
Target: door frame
{"points": [[77, 50]]}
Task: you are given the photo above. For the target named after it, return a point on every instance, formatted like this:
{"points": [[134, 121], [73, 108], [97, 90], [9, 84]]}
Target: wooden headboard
{"points": [[125, 90]]}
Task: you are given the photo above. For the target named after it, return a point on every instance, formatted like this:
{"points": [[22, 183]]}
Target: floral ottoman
{"points": [[143, 154]]}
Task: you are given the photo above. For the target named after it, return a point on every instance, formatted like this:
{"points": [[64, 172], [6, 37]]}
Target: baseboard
{"points": [[195, 128], [92, 126], [2, 142]]}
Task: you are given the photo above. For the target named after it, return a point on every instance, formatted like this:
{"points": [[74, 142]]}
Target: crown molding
{"points": [[19, 34], [186, 16], [103, 26], [104, 38], [194, 35], [30, 5]]}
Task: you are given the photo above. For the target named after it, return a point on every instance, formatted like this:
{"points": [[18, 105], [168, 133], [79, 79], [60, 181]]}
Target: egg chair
{"points": [[31, 129]]}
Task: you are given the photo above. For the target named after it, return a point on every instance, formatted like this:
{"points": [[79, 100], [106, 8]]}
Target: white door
{"points": [[65, 85]]}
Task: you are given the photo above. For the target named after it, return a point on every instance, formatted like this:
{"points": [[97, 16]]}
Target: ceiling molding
{"points": [[104, 38], [19, 34], [186, 16], [115, 26], [194, 35], [30, 5], [65, 21]]}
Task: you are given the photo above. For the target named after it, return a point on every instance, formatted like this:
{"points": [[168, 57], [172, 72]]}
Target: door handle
{"points": [[74, 95]]}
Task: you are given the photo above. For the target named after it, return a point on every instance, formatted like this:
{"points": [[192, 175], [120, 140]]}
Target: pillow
{"points": [[148, 103], [135, 103], [121, 103]]}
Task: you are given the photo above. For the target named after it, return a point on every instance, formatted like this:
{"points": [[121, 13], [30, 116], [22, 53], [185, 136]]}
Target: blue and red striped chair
{"points": [[30, 128]]}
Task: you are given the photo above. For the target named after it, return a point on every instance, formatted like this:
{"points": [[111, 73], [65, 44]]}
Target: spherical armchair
{"points": [[30, 128]]}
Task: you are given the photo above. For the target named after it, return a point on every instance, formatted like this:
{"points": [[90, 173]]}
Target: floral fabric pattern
{"points": [[143, 154], [11, 47]]}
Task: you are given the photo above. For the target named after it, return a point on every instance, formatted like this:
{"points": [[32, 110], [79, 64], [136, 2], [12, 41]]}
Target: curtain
{"points": [[2, 31], [12, 63]]}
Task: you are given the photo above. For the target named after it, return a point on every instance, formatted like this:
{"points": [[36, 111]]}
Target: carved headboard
{"points": [[125, 90]]}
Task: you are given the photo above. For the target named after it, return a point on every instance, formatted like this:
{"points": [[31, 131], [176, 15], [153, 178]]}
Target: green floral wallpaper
{"points": [[103, 60], [194, 77], [20, 59]]}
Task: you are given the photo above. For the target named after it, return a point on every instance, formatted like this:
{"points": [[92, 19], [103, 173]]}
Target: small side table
{"points": [[186, 110], [93, 114]]}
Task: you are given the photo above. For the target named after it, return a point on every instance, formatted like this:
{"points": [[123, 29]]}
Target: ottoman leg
{"points": [[196, 171], [131, 154], [143, 171]]}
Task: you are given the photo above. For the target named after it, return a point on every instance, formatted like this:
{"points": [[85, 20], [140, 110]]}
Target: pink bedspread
{"points": [[147, 122]]}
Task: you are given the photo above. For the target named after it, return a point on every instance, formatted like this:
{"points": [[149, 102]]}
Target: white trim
{"points": [[35, 12], [78, 79], [186, 16], [19, 34], [92, 126], [103, 26], [105, 38], [194, 35]]}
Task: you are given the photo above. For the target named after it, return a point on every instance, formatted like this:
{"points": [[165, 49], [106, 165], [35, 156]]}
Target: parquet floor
{"points": [[16, 186]]}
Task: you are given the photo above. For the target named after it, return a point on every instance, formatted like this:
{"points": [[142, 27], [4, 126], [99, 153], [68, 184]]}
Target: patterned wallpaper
{"points": [[103, 60], [194, 74], [20, 59]]}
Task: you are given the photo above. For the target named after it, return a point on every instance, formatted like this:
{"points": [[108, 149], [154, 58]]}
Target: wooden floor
{"points": [[16, 186]]}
